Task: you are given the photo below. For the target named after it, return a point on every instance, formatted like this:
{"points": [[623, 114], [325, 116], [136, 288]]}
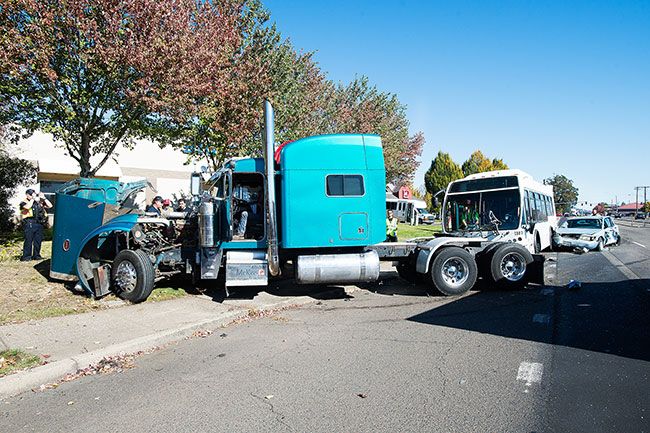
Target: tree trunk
{"points": [[84, 153]]}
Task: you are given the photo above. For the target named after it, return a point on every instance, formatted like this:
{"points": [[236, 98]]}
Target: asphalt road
{"points": [[390, 358]]}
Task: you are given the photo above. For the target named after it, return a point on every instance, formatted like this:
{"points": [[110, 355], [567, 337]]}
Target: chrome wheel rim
{"points": [[455, 271], [126, 276], [513, 266]]}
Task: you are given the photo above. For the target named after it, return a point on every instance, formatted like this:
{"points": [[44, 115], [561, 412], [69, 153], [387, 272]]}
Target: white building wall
{"points": [[164, 167]]}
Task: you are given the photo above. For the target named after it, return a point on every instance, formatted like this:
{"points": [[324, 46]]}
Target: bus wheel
{"points": [[132, 275], [509, 264], [453, 271]]}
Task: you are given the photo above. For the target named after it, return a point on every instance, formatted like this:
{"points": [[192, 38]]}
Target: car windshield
{"points": [[423, 211], [583, 223], [479, 210]]}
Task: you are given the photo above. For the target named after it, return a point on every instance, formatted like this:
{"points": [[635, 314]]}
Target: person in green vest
{"points": [[391, 227], [468, 216]]}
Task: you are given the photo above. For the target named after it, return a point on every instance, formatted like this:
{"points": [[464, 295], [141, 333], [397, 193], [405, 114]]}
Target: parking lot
{"points": [[389, 357]]}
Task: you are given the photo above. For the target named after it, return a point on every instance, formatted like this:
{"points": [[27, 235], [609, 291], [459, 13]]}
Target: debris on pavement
{"points": [[362, 395], [268, 397], [200, 333], [224, 335], [574, 285]]}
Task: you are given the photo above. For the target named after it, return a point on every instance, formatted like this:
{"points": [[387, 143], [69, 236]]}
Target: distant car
{"points": [[640, 216], [424, 216], [592, 233]]}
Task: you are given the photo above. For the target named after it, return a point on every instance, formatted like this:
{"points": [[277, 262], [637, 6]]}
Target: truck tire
{"points": [[509, 264], [484, 259], [132, 275], [453, 271]]}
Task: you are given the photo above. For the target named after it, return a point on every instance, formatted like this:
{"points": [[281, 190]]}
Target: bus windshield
{"points": [[471, 211]]}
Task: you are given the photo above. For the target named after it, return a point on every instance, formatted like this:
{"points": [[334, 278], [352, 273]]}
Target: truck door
{"points": [[224, 196]]}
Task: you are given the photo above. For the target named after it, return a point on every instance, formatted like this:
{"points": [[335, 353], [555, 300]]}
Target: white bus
{"points": [[502, 206], [410, 211]]}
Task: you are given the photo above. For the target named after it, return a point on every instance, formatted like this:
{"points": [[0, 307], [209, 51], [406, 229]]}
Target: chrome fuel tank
{"points": [[337, 268], [206, 224]]}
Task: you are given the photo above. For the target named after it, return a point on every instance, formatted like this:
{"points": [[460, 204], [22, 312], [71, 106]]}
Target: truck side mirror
{"points": [[195, 184]]}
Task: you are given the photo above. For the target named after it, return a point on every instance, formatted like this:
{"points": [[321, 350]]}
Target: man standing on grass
{"points": [[391, 227], [33, 216]]}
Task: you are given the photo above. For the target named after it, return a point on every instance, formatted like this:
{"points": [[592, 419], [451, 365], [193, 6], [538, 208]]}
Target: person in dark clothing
{"points": [[156, 205], [33, 215], [181, 206]]}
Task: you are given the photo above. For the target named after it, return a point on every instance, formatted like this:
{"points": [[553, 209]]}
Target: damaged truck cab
{"points": [[316, 203]]}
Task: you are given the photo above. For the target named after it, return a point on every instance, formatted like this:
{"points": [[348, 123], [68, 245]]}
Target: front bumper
{"points": [[563, 241]]}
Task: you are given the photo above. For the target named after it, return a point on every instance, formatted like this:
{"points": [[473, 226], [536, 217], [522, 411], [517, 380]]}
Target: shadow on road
{"points": [[602, 317]]}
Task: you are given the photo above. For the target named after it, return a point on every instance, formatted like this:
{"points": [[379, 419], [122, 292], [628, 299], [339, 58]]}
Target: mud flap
{"points": [[102, 280], [535, 271]]}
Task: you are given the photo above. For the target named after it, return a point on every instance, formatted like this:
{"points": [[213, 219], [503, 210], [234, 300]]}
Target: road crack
{"points": [[279, 417]]}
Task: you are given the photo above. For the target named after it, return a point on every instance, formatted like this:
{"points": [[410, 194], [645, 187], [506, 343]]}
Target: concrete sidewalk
{"points": [[74, 342]]}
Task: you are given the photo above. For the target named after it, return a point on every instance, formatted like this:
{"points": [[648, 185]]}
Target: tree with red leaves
{"points": [[97, 73], [362, 108]]}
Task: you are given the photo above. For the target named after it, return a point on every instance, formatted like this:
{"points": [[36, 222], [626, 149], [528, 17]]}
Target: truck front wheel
{"points": [[132, 275], [453, 271], [509, 264]]}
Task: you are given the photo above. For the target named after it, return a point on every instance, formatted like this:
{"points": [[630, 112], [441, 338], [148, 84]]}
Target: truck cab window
{"points": [[345, 185]]}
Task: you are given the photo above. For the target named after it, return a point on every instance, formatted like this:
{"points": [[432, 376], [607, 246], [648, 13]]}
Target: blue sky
{"points": [[551, 87]]}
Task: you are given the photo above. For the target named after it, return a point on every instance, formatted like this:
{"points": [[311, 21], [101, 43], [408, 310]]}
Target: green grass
{"points": [[13, 360], [166, 293], [406, 231]]}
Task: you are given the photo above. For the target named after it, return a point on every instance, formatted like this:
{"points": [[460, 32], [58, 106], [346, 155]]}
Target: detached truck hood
{"points": [[85, 208]]}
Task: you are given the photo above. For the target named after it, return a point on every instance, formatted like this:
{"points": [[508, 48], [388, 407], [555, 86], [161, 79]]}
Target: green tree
{"points": [[476, 163], [99, 73], [443, 170], [498, 164], [565, 193], [479, 163], [646, 206], [13, 173]]}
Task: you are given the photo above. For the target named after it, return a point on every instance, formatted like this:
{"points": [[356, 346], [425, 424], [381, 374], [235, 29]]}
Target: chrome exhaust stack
{"points": [[272, 228]]}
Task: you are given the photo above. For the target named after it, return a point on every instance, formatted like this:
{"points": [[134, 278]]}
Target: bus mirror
{"points": [[436, 202]]}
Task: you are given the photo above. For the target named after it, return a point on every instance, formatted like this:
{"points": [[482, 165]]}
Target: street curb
{"points": [[26, 380]]}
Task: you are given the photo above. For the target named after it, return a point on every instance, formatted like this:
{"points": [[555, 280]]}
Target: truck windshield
{"points": [[471, 211]]}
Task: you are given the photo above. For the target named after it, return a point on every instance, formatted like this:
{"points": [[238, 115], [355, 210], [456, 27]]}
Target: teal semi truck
{"points": [[312, 209]]}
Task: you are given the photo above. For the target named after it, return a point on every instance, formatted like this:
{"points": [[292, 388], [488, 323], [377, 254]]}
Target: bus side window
{"points": [[530, 207]]}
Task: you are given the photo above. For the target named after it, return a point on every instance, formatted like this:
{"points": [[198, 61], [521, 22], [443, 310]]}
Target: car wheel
{"points": [[132, 275], [508, 266], [601, 244], [453, 271]]}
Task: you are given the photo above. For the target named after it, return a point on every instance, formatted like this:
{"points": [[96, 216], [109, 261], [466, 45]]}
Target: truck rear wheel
{"points": [[132, 275], [453, 271], [509, 264]]}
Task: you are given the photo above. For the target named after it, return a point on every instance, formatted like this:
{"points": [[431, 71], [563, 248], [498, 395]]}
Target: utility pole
{"points": [[645, 197]]}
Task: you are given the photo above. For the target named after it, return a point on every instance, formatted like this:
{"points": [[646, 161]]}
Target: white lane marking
{"points": [[641, 245], [547, 291], [541, 318], [530, 372], [620, 265]]}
